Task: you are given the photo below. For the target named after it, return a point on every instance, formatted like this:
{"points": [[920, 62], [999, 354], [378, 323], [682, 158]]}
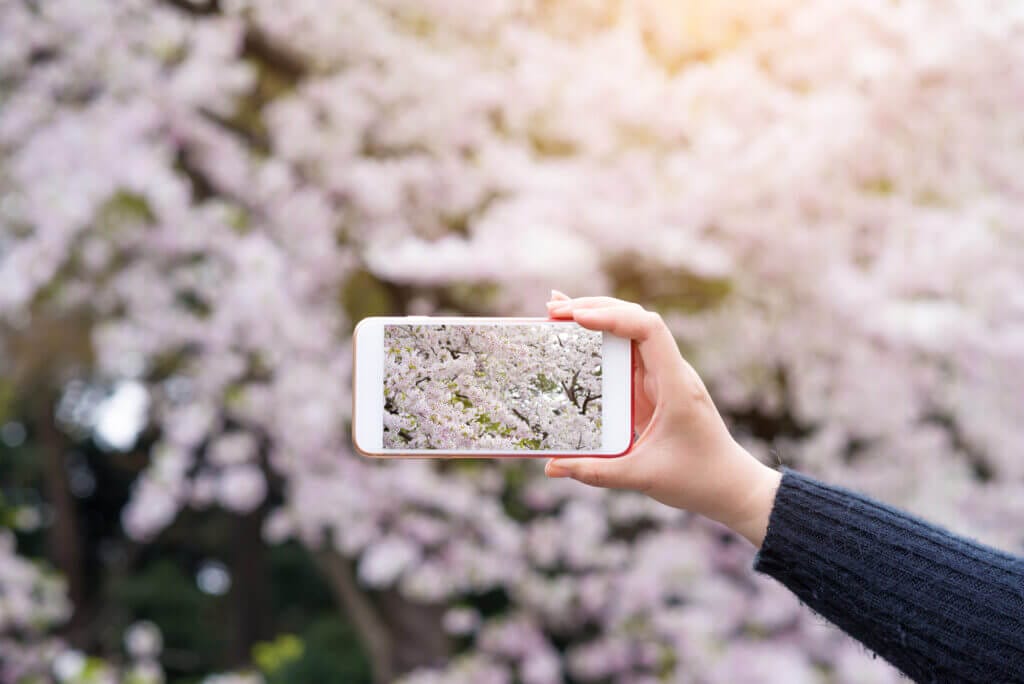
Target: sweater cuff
{"points": [[938, 606]]}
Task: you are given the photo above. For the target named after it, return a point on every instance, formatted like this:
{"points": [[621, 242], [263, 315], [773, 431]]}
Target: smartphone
{"points": [[472, 387]]}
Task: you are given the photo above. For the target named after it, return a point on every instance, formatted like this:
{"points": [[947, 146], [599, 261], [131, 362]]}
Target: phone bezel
{"points": [[617, 362]]}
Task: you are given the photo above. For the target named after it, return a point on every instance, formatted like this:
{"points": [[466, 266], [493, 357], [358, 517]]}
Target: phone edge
{"points": [[631, 434]]}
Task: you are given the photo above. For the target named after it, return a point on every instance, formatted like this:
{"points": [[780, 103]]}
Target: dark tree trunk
{"points": [[249, 587], [416, 631], [64, 538], [398, 635]]}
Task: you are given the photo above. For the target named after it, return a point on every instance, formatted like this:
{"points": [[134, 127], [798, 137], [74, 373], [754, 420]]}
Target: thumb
{"points": [[614, 473]]}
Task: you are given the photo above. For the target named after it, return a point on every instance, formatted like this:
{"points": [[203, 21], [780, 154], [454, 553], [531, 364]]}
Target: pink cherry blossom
{"points": [[824, 198]]}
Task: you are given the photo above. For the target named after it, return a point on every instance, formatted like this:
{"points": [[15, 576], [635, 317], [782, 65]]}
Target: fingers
{"points": [[558, 295], [559, 309], [598, 302], [657, 347], [629, 321], [562, 308], [643, 408], [613, 473], [658, 350]]}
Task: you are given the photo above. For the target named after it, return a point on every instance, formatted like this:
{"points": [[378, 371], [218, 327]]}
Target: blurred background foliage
{"points": [[218, 606], [199, 199]]}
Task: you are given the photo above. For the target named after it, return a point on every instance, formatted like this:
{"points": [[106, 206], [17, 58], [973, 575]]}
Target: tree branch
{"points": [[530, 425], [570, 389], [372, 631], [399, 635], [196, 8]]}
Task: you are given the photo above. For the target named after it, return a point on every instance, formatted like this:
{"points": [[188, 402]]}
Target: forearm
{"points": [[937, 606]]}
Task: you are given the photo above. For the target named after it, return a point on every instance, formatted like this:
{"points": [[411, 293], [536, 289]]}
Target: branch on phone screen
{"points": [[570, 389], [533, 427], [590, 397]]}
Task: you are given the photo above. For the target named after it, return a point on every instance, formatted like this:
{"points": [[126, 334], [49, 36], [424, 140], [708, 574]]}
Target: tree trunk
{"points": [[398, 635], [249, 587], [63, 537]]}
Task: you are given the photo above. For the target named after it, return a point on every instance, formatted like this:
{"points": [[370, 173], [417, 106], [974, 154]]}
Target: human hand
{"points": [[685, 456]]}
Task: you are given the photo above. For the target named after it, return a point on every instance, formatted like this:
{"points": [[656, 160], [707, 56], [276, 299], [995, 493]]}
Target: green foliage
{"points": [[517, 474], [189, 620], [545, 384], [328, 651], [640, 280], [492, 426], [547, 145], [364, 295], [95, 671], [275, 77], [299, 591], [460, 222], [879, 186], [34, 679], [124, 210], [7, 398], [667, 662], [271, 656], [238, 219], [21, 502], [157, 581], [470, 297], [8, 513]]}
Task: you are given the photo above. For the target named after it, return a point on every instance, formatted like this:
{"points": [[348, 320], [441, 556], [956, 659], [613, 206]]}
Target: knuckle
{"points": [[698, 393], [699, 398]]}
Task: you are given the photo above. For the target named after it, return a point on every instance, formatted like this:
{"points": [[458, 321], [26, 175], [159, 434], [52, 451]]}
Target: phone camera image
{"points": [[492, 387]]}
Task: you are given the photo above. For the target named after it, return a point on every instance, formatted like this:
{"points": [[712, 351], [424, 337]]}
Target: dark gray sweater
{"points": [[939, 607]]}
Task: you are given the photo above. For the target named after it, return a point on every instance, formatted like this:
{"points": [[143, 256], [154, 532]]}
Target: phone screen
{"points": [[508, 387]]}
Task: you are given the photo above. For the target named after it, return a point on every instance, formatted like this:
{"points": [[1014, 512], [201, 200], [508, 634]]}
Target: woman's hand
{"points": [[685, 456]]}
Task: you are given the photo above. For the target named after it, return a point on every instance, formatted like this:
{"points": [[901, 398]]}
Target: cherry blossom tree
{"points": [[825, 199], [492, 388], [32, 600]]}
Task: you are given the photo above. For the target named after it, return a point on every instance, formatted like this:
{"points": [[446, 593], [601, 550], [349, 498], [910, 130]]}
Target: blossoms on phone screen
{"points": [[492, 387]]}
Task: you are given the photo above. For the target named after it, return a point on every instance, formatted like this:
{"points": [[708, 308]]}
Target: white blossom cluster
{"points": [[492, 388], [32, 598], [825, 197]]}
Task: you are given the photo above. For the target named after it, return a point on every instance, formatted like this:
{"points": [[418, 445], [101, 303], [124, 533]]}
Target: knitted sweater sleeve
{"points": [[939, 607]]}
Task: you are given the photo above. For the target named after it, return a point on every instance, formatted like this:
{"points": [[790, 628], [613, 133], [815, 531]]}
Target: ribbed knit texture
{"points": [[939, 607]]}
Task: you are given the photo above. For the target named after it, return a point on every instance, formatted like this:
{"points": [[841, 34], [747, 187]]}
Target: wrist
{"points": [[755, 496]]}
